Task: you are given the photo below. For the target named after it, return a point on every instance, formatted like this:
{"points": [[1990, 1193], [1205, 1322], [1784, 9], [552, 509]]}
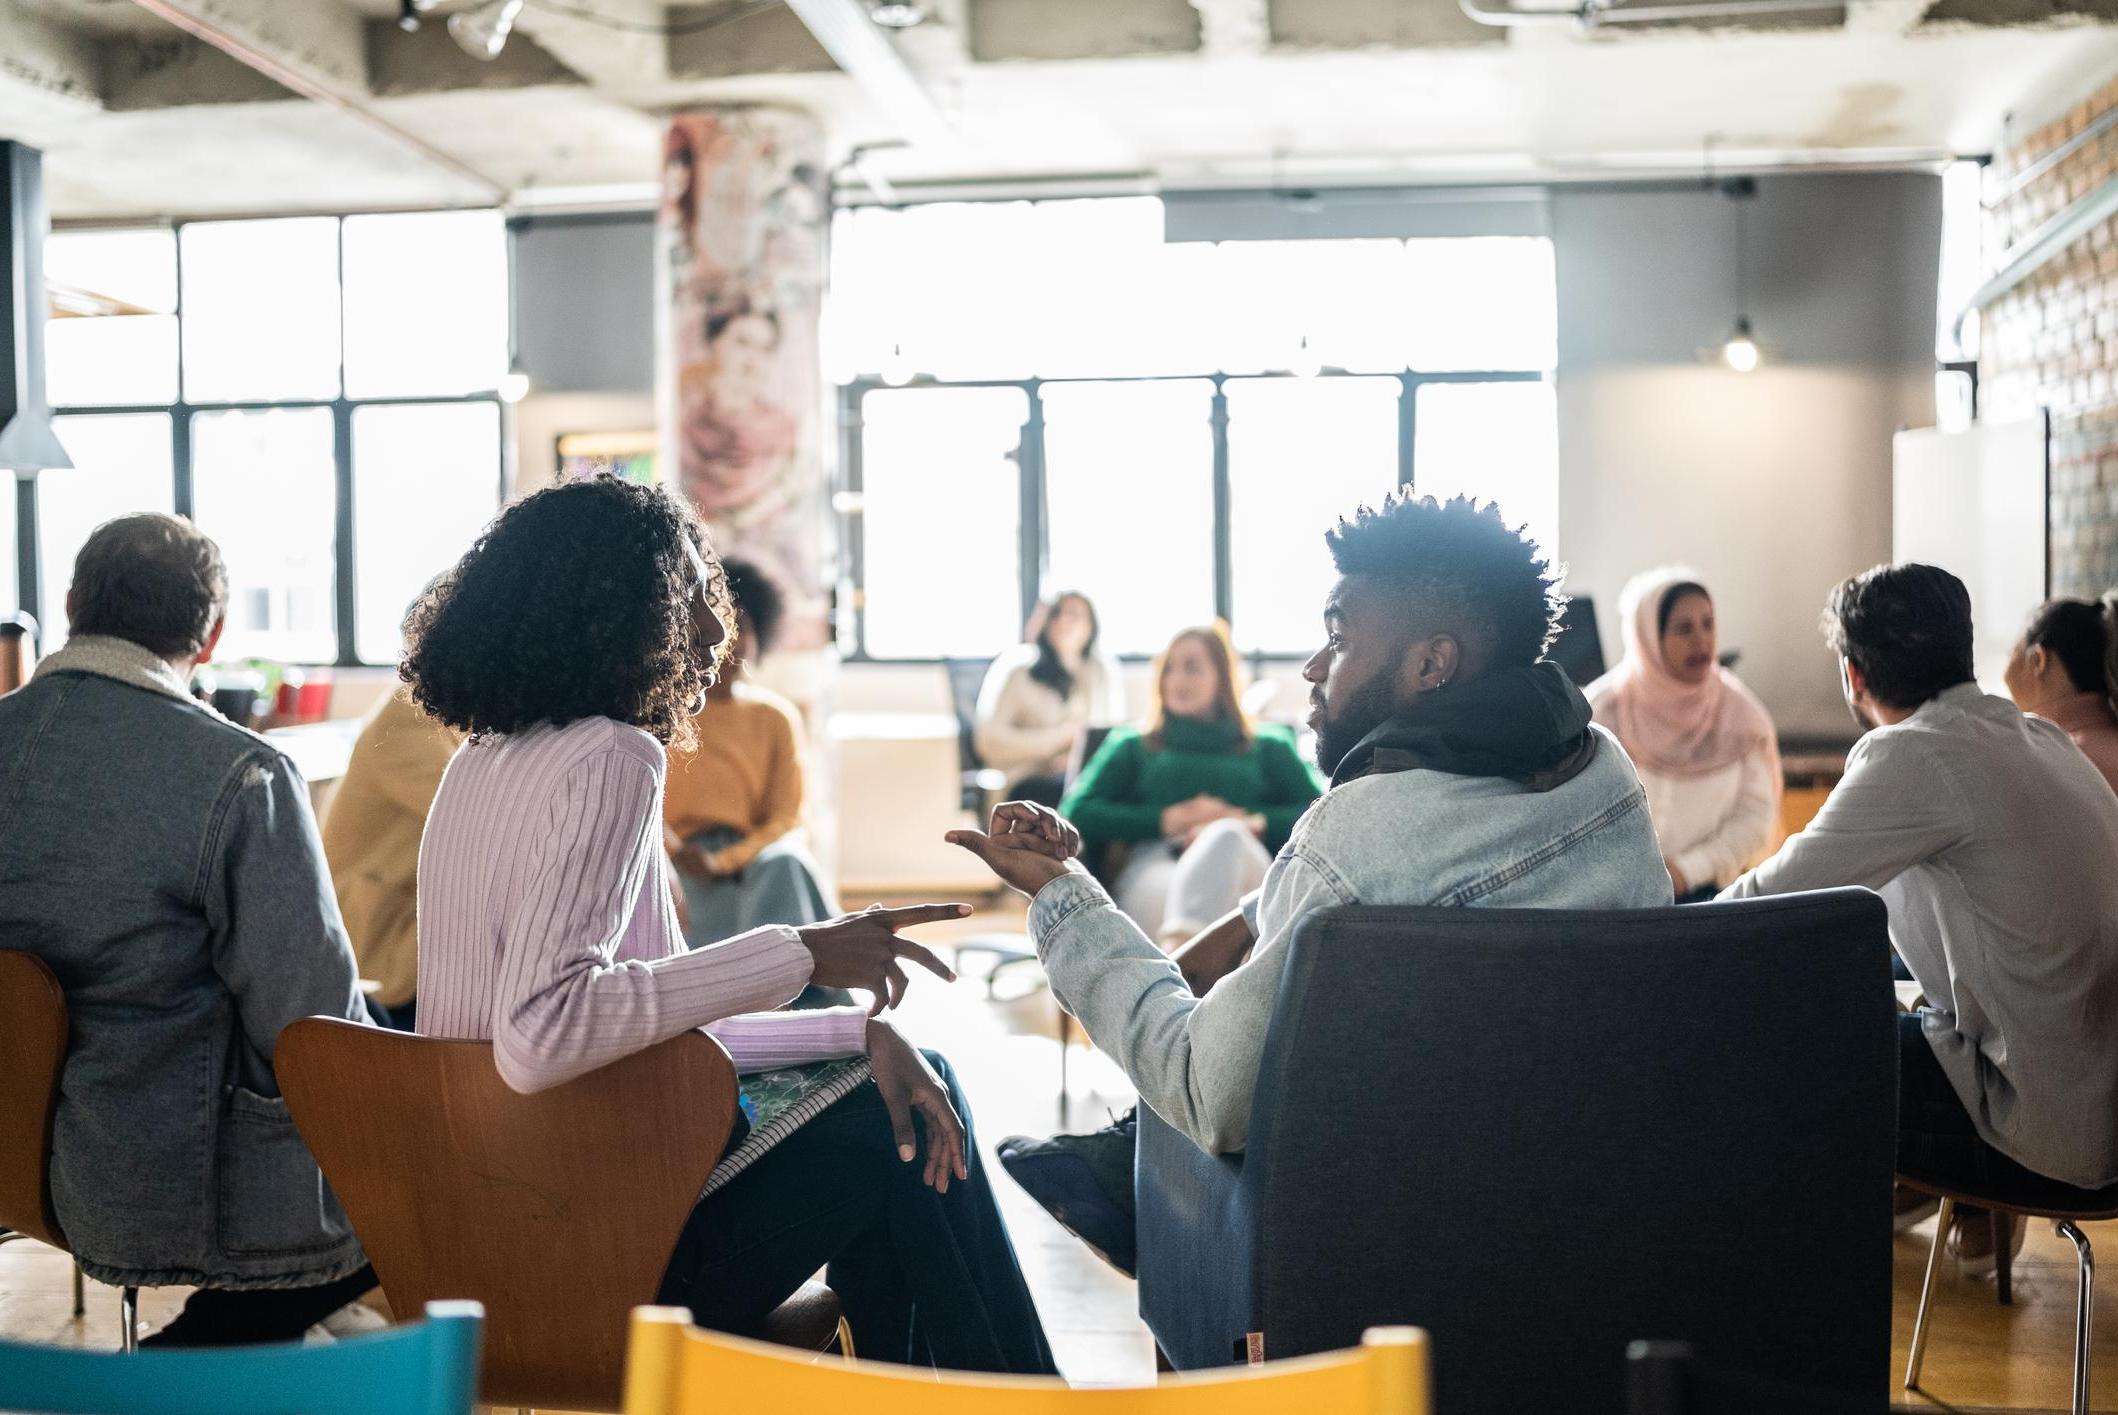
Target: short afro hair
{"points": [[758, 596], [1475, 570], [1907, 628], [578, 601]]}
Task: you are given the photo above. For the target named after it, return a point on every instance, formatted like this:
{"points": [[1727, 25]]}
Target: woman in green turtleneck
{"points": [[1201, 796]]}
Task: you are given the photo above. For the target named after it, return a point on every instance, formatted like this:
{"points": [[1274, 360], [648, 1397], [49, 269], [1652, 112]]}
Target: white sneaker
{"points": [[353, 1319]]}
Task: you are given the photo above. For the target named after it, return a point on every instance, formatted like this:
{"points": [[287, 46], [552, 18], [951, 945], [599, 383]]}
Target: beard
{"points": [[1339, 731]]}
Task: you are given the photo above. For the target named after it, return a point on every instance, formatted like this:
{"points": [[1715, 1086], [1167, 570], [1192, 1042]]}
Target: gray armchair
{"points": [[1544, 1134]]}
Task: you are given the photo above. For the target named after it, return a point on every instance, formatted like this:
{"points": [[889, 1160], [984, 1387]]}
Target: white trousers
{"points": [[1172, 895]]}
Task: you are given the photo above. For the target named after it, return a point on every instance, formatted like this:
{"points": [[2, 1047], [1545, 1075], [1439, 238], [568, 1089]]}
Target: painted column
{"points": [[741, 276]]}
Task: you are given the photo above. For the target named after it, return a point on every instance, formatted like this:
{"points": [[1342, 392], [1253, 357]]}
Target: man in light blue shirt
{"points": [[1464, 771]]}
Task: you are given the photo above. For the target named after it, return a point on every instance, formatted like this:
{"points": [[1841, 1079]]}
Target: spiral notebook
{"points": [[778, 1103]]}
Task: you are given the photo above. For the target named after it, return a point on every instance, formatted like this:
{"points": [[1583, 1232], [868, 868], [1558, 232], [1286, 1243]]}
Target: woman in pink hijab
{"points": [[1704, 745]]}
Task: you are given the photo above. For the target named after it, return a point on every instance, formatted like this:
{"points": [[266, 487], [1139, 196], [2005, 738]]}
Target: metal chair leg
{"points": [[1066, 1045], [2001, 1227], [2084, 1314], [129, 1320], [1926, 1294], [80, 1292]]}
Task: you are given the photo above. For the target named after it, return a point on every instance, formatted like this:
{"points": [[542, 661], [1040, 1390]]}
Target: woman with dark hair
{"points": [[575, 640], [732, 805], [2065, 669], [1038, 697], [1704, 746], [1199, 794]]}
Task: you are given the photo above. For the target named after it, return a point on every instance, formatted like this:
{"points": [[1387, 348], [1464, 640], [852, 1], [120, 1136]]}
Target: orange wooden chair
{"points": [[557, 1211]]}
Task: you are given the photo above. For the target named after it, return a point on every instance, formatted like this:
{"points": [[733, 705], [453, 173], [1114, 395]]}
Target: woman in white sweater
{"points": [[1704, 745], [1038, 697]]}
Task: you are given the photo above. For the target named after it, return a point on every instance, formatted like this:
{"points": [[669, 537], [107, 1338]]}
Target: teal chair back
{"points": [[425, 1368]]}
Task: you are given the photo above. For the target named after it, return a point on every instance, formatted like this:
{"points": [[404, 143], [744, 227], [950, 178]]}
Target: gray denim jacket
{"points": [[165, 864], [1402, 837]]}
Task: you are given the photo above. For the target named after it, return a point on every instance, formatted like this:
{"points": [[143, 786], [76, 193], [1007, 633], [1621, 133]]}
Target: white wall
{"points": [[1774, 485]]}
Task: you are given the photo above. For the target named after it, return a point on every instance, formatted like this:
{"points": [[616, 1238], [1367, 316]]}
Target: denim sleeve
{"points": [[1193, 1059], [278, 942]]}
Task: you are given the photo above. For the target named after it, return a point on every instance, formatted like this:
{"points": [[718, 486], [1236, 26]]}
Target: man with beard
{"points": [[1995, 843], [1464, 771]]}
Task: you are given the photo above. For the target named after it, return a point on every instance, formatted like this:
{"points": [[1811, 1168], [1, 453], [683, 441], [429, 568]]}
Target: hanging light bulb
{"points": [[482, 32], [1740, 352], [514, 384]]}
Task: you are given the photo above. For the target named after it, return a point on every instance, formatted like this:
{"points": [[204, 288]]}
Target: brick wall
{"points": [[2053, 341]]}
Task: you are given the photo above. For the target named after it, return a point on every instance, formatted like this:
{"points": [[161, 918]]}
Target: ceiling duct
{"points": [[1592, 14], [28, 443]]}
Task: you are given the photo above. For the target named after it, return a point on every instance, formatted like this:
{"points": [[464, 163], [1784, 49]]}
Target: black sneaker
{"points": [[1085, 1182]]}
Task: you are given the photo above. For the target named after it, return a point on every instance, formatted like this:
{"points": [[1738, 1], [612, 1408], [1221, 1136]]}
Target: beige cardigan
{"points": [[371, 839], [1025, 729]]}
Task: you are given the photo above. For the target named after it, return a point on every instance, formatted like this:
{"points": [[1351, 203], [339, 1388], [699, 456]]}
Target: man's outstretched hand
{"points": [[1029, 845]]}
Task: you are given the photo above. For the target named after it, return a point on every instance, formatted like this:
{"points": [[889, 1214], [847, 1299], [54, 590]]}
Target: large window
{"points": [[317, 393], [1170, 427]]}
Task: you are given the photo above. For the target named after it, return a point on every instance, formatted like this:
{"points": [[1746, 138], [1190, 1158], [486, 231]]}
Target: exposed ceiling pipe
{"points": [[846, 30], [287, 76], [2034, 251], [1590, 14]]}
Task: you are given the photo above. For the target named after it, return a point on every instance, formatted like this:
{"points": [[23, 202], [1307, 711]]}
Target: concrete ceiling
{"points": [[141, 117]]}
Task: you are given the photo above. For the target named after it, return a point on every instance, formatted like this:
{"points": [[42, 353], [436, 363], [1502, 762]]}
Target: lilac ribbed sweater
{"points": [[545, 923]]}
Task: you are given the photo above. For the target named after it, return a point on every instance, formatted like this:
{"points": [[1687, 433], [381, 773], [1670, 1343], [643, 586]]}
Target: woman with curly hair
{"points": [[574, 641]]}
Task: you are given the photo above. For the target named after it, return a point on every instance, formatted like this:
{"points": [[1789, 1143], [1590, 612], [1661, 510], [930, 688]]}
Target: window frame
{"points": [[1034, 551], [345, 589]]}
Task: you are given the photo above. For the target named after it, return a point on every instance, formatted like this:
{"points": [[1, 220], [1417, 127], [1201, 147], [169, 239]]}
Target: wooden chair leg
{"points": [[80, 1293]]}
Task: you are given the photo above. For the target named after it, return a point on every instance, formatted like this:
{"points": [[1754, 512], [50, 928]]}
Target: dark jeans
{"points": [[1936, 1140], [924, 1278], [402, 1017], [213, 1317]]}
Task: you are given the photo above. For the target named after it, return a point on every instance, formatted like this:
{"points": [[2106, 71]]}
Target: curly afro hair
{"points": [[579, 601], [1464, 565]]}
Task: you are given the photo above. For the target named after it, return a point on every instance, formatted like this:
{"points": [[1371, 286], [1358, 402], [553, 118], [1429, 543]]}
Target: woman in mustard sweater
{"points": [[732, 805], [1199, 795]]}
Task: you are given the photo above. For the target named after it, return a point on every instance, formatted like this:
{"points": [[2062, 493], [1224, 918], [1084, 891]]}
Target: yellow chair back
{"points": [[673, 1368]]}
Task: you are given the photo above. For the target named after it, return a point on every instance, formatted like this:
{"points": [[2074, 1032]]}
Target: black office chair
{"points": [[1669, 1378], [981, 784]]}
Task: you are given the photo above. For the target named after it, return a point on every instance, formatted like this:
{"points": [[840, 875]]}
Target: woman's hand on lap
{"points": [[861, 950], [692, 861], [909, 1086]]}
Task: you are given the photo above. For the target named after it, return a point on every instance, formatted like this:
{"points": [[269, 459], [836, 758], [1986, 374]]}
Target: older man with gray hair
{"points": [[164, 862]]}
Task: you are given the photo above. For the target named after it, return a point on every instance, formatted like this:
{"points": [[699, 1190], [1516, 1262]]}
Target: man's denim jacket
{"points": [[1403, 837], [165, 864]]}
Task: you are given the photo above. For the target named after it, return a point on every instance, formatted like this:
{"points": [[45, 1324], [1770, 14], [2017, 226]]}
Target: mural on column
{"points": [[742, 238]]}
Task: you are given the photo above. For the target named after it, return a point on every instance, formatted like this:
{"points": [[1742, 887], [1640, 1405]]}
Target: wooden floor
{"points": [[1980, 1356]]}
